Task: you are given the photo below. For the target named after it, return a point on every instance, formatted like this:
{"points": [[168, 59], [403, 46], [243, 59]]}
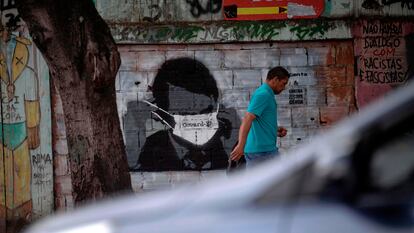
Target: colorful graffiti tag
{"points": [[231, 31], [267, 10]]}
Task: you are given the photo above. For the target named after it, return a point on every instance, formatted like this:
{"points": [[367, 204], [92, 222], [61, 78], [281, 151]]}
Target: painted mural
{"points": [[270, 10], [183, 121], [26, 168]]}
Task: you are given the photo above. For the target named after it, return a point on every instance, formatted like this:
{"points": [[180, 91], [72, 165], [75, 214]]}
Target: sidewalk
{"points": [[151, 181]]}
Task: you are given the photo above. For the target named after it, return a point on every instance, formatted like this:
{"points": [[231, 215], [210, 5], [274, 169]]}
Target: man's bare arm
{"points": [[238, 151]]}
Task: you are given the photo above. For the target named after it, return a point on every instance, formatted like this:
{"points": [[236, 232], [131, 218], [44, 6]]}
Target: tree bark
{"points": [[83, 61]]}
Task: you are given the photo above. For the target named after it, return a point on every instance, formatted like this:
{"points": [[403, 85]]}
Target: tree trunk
{"points": [[83, 61]]}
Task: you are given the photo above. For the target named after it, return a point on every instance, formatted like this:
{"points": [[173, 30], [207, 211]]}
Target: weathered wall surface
{"points": [[26, 160], [219, 32], [62, 172], [330, 79], [320, 92], [350, 62], [167, 11]]}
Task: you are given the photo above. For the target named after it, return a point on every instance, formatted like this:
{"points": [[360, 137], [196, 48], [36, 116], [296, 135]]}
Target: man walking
{"points": [[259, 130]]}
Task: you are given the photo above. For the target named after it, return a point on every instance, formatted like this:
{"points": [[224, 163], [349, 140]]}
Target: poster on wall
{"points": [[271, 10]]}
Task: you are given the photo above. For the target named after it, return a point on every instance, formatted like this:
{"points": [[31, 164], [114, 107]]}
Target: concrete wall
{"points": [[338, 64], [26, 160], [219, 32], [320, 92], [62, 172], [337, 67], [167, 11]]}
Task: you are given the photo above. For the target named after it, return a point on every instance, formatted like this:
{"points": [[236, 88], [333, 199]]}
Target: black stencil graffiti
{"points": [[193, 131], [371, 4], [7, 5], [297, 96], [375, 5], [404, 3], [12, 18], [12, 21], [230, 11], [212, 6], [158, 12]]}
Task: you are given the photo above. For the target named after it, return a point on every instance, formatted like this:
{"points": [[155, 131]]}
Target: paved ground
{"points": [[149, 181]]}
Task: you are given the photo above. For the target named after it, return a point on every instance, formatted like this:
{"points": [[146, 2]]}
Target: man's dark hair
{"points": [[277, 72]]}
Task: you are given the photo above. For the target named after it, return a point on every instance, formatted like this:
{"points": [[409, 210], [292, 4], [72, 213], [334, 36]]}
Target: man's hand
{"points": [[281, 132], [237, 153]]}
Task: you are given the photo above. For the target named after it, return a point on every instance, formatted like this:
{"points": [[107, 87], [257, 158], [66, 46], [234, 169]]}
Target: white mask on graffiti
{"points": [[197, 129]]}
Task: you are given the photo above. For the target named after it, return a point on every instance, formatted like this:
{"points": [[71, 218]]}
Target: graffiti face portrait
{"points": [[188, 124]]}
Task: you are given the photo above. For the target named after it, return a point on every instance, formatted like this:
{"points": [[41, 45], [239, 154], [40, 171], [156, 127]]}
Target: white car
{"points": [[356, 178]]}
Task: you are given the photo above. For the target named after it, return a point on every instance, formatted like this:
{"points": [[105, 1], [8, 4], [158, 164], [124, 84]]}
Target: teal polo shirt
{"points": [[263, 132]]}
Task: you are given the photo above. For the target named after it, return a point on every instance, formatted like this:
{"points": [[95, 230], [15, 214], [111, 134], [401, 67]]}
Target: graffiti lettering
{"points": [[302, 30], [374, 4], [255, 30], [215, 33], [378, 63], [10, 112], [301, 74], [201, 124], [384, 52], [212, 6], [383, 70], [186, 33], [238, 31], [404, 3], [297, 96], [39, 159], [385, 28], [12, 116], [381, 42], [383, 77], [43, 182]]}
